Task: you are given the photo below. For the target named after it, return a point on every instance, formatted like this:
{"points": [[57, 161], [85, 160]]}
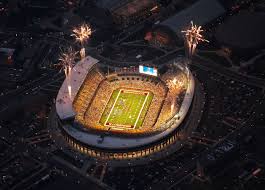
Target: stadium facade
{"points": [[124, 113]]}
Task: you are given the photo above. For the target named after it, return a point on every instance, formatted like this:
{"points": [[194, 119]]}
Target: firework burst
{"points": [[174, 85], [193, 36], [82, 34], [67, 60]]}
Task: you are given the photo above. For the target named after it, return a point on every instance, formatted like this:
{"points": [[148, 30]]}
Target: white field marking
{"points": [[141, 110], [112, 107], [122, 127], [117, 128], [134, 91]]}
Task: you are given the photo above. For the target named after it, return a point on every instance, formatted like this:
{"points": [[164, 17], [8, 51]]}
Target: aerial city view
{"points": [[132, 94]]}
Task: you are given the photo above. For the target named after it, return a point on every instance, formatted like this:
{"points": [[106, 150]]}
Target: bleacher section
{"points": [[96, 91], [86, 93]]}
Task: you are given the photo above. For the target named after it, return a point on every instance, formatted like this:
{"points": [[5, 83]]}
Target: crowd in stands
{"points": [[174, 97], [92, 100], [86, 92]]}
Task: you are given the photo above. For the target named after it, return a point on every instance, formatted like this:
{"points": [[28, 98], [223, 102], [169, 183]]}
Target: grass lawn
{"points": [[126, 109]]}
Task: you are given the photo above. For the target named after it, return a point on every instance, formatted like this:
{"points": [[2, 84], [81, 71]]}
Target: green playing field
{"points": [[126, 109]]}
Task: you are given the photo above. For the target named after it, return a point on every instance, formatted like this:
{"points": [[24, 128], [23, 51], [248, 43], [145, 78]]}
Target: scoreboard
{"points": [[148, 70]]}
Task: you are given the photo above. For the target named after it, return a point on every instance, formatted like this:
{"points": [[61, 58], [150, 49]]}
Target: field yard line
{"points": [[141, 110], [112, 107]]}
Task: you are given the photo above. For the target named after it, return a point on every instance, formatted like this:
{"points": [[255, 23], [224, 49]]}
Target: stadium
{"points": [[124, 113]]}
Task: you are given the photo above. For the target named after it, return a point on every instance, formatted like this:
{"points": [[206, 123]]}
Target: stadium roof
{"points": [[134, 6], [64, 101], [108, 4], [125, 7], [201, 12], [244, 31]]}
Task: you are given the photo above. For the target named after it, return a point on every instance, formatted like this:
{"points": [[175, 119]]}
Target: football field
{"points": [[126, 109]]}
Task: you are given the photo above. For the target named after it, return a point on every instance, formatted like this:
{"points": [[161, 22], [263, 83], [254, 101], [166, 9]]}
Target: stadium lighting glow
{"points": [[69, 90], [67, 62], [193, 36], [172, 107], [82, 34]]}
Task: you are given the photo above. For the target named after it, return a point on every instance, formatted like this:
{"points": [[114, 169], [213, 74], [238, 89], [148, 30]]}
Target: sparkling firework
{"points": [[174, 85], [82, 34], [193, 36], [67, 60]]}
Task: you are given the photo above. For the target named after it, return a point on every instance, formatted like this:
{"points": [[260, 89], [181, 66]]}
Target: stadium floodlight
{"points": [[192, 38], [67, 60], [82, 34]]}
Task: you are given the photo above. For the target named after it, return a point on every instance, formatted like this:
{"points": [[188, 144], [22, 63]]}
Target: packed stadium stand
{"points": [[94, 94]]}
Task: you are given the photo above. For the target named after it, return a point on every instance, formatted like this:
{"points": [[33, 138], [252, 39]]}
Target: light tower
{"points": [[67, 60], [82, 34], [192, 38]]}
